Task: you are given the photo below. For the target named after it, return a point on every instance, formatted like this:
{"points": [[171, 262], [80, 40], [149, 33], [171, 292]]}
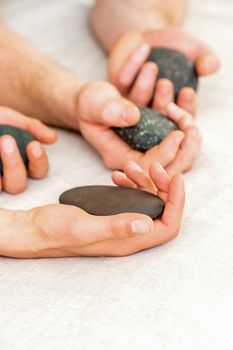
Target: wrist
{"points": [[19, 237], [122, 17], [51, 93], [33, 84], [58, 96], [10, 223]]}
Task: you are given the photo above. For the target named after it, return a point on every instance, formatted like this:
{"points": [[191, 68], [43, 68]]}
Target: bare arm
{"points": [[130, 15], [63, 230], [33, 84]]}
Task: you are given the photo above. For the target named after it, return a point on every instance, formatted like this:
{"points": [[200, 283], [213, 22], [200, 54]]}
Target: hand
{"points": [[135, 78], [62, 230], [100, 107], [15, 175]]}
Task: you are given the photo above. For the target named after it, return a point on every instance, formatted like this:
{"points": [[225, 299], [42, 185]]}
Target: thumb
{"points": [[115, 227], [119, 113], [207, 64], [101, 103]]}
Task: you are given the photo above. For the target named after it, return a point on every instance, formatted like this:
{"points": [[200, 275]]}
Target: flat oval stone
{"points": [[22, 137], [112, 200], [175, 66], [152, 128]]}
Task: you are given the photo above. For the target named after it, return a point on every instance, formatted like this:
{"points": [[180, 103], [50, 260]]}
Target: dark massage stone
{"points": [[152, 128], [22, 137], [175, 66], [112, 200]]}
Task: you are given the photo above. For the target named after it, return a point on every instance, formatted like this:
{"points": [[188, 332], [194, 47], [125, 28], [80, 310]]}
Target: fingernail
{"points": [[8, 145], [189, 95], [36, 150], [211, 62], [144, 48], [134, 166], [164, 88], [140, 227], [173, 109], [187, 122], [113, 111], [129, 113]]}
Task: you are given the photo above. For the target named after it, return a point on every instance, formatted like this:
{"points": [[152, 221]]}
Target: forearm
{"points": [[33, 84], [19, 236], [110, 18], [8, 230]]}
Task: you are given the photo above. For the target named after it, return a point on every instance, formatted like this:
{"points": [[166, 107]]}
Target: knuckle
{"points": [[109, 163], [118, 230]]}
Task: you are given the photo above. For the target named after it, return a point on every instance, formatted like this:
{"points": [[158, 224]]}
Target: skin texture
{"points": [[15, 173], [135, 78], [136, 27], [124, 16], [60, 230], [100, 107], [40, 88]]}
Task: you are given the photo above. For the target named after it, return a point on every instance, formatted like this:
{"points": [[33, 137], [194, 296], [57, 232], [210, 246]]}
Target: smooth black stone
{"points": [[112, 200], [152, 128], [22, 137], [175, 66]]}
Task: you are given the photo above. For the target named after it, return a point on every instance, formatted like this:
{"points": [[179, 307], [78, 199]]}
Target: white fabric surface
{"points": [[177, 296]]}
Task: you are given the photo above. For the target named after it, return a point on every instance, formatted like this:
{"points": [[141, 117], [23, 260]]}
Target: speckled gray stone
{"points": [[175, 66], [22, 137], [112, 200], [152, 128]]}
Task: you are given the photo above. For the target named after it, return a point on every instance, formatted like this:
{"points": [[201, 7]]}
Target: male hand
{"points": [[101, 107]]}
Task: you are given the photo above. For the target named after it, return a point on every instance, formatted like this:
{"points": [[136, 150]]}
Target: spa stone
{"points": [[22, 137], [152, 128], [175, 66], [112, 200]]}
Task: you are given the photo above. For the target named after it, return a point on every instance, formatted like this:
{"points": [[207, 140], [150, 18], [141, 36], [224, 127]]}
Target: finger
{"points": [[104, 140], [135, 173], [143, 88], [163, 230], [164, 94], [39, 130], [187, 100], [120, 179], [182, 118], [14, 178], [87, 229], [120, 53], [132, 66], [38, 160], [165, 152], [160, 179], [118, 113], [207, 62], [173, 211], [187, 153]]}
